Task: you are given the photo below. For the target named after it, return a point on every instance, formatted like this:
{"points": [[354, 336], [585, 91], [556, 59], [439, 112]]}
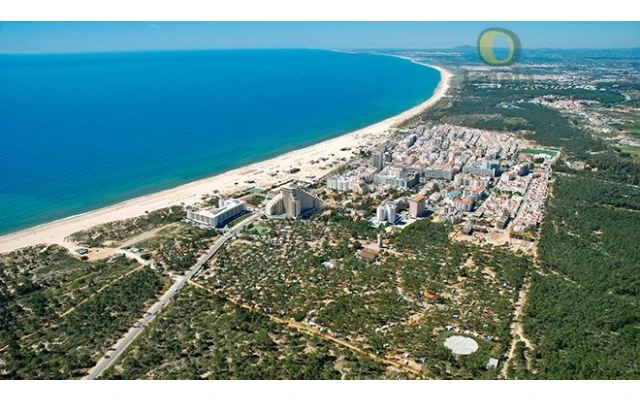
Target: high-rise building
{"points": [[275, 206], [391, 213], [439, 171], [386, 212], [416, 205], [293, 202], [378, 160]]}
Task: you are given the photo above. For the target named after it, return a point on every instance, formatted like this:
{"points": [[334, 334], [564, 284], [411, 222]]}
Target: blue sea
{"points": [[83, 131]]}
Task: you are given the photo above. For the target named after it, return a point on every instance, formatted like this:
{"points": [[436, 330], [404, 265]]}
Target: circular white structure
{"points": [[461, 345]]}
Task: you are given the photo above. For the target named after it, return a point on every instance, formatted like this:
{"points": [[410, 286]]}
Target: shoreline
{"points": [[260, 172]]}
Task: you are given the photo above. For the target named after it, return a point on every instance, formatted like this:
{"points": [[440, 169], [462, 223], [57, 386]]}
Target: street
{"points": [[121, 345]]}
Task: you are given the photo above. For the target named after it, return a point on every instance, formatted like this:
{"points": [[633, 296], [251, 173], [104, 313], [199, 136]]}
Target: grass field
{"points": [[259, 230], [634, 151], [239, 219], [540, 151]]}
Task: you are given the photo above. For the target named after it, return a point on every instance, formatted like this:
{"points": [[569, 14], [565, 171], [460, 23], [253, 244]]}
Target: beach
{"points": [[262, 174]]}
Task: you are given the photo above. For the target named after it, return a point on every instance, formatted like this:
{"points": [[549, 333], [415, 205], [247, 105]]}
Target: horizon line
{"points": [[368, 49]]}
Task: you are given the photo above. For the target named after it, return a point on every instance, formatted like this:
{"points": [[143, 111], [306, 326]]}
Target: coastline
{"points": [[189, 194]]}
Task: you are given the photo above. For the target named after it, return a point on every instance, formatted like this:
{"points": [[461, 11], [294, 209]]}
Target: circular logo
{"points": [[486, 49]]}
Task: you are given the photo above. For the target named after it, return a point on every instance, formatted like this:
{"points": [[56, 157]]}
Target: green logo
{"points": [[486, 48]]}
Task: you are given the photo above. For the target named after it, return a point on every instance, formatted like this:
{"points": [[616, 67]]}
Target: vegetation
{"points": [[584, 315], [202, 336], [177, 247], [39, 283], [632, 151], [68, 345], [239, 219], [116, 232], [540, 151], [397, 307]]}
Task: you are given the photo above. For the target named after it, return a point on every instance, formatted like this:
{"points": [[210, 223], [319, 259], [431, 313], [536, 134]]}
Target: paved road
{"points": [[121, 345]]}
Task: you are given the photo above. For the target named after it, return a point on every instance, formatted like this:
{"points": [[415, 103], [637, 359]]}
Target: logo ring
{"points": [[486, 51]]}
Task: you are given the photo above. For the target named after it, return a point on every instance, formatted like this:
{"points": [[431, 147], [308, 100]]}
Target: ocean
{"points": [[83, 131]]}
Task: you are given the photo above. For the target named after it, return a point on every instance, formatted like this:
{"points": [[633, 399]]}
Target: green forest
{"points": [[55, 322], [202, 336], [584, 314]]}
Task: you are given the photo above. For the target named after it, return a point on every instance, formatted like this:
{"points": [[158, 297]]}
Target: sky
{"points": [[79, 37]]}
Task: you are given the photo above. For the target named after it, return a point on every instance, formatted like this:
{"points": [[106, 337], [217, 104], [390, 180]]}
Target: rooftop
{"points": [[217, 211]]}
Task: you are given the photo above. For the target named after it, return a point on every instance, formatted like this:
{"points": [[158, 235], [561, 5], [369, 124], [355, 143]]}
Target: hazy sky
{"points": [[20, 37]]}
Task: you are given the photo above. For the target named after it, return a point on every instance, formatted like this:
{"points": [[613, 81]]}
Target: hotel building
{"points": [[216, 218], [293, 202]]}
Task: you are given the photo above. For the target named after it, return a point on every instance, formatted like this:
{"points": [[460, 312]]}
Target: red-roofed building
{"points": [[416, 205]]}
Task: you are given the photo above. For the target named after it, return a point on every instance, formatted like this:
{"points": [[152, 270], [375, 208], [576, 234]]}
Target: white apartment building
{"points": [[215, 218], [386, 212]]}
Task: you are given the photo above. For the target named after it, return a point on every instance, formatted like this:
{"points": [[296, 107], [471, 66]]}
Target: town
{"points": [[451, 245], [491, 185]]}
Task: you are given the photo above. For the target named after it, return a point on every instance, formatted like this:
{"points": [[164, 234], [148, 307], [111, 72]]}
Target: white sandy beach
{"points": [[234, 180]]}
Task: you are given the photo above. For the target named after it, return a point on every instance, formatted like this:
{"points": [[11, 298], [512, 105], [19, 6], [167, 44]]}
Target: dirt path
{"points": [[307, 329], [400, 290], [517, 328], [64, 314], [143, 236]]}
